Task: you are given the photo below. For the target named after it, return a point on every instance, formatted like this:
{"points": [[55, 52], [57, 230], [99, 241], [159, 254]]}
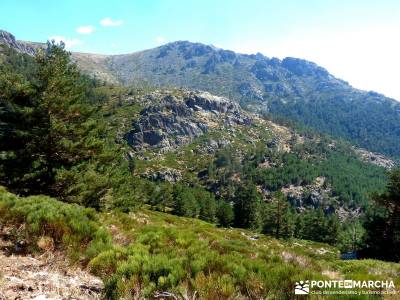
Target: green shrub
{"points": [[70, 226], [187, 258]]}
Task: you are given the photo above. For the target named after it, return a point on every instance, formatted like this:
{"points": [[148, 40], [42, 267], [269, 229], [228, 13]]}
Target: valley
{"points": [[191, 172]]}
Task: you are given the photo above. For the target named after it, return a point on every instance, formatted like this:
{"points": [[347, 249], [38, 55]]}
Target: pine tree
{"points": [[52, 139], [184, 201], [299, 225], [351, 236], [320, 227], [278, 217], [207, 203], [21, 127], [70, 138], [162, 197], [332, 227], [225, 214], [248, 207], [383, 222]]}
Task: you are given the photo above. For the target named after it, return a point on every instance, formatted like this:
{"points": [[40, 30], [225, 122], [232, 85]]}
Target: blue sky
{"points": [[355, 40]]}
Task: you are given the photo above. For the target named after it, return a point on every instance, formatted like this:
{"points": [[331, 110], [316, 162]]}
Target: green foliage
{"points": [[292, 88], [282, 221], [292, 170], [225, 214], [182, 256], [278, 217], [383, 222], [183, 262], [351, 236], [196, 202], [185, 203], [208, 205], [74, 228], [53, 139], [367, 120], [352, 180], [252, 155], [349, 183], [317, 226], [187, 257], [247, 207], [22, 64]]}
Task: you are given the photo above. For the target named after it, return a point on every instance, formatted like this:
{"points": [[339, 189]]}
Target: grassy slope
{"points": [[152, 252]]}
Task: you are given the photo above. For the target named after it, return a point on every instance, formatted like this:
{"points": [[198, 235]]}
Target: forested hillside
{"points": [[98, 171], [294, 88]]}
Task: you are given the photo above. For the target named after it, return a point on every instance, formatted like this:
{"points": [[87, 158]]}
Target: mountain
{"points": [[292, 88], [181, 135], [140, 186], [296, 89]]}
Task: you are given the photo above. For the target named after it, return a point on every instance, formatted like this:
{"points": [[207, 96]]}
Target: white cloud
{"points": [[160, 39], [69, 43], [367, 58], [108, 22], [85, 29]]}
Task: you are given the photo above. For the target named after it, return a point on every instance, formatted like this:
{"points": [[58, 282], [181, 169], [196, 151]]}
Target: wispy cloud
{"points": [[89, 29], [160, 40], [69, 43], [108, 22]]}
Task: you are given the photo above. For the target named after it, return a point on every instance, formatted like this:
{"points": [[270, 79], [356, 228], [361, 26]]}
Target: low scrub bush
{"points": [[68, 226], [179, 262]]}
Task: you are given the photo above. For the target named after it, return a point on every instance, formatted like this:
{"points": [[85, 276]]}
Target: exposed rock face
{"points": [[209, 102], [166, 174], [250, 90], [375, 158], [9, 40], [318, 195], [315, 195], [176, 120]]}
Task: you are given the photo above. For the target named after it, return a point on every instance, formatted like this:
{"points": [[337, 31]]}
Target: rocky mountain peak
{"points": [[6, 37], [9, 40]]}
